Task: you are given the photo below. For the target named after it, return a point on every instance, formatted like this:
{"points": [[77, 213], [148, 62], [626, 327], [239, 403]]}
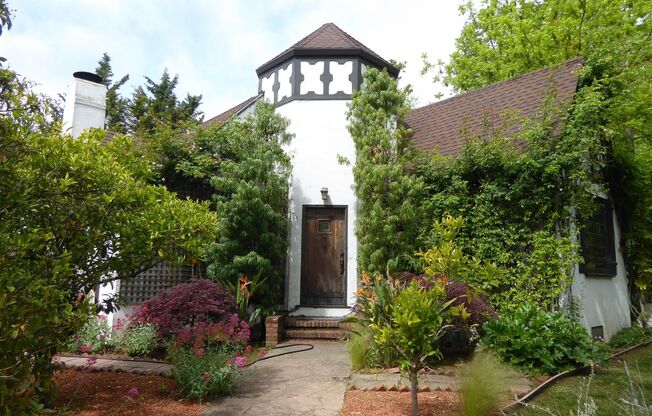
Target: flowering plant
{"points": [[243, 292], [232, 333]]}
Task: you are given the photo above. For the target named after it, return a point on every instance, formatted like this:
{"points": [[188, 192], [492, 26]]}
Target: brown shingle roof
{"points": [[445, 125], [225, 116], [328, 38]]}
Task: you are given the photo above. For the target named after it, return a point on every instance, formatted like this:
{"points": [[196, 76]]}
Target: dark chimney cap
{"points": [[88, 76]]}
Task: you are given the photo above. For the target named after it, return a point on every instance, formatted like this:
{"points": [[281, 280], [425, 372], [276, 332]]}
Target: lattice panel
{"points": [[156, 280]]}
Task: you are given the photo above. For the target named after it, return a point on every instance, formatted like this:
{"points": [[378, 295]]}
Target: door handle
{"points": [[342, 262]]}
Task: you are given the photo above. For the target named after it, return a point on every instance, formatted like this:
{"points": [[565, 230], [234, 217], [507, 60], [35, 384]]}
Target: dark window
{"points": [[597, 242], [324, 226]]}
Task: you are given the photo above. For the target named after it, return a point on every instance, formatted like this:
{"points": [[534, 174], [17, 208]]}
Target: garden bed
{"points": [[107, 393], [392, 403]]}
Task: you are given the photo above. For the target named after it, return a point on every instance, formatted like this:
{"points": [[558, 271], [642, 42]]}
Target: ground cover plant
{"points": [[622, 388], [633, 335]]}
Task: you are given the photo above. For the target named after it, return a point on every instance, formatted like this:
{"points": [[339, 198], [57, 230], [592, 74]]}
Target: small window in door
{"points": [[324, 226]]}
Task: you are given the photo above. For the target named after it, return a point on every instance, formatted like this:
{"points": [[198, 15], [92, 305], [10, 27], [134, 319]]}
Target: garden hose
{"points": [[522, 401], [278, 347]]}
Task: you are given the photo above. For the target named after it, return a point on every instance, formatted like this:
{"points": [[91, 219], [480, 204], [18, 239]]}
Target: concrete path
{"points": [[306, 383], [127, 366]]}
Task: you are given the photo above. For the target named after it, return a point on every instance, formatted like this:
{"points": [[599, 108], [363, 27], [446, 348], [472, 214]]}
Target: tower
{"points": [[311, 83]]}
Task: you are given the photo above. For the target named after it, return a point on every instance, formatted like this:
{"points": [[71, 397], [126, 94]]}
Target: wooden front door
{"points": [[323, 257]]}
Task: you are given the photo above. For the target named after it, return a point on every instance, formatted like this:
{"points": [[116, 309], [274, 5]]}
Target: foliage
{"points": [[387, 191], [252, 201], [516, 244], [417, 321], [475, 304], [503, 39], [201, 376], [231, 334], [74, 214], [540, 341], [360, 347], [156, 103], [630, 336], [94, 336], [482, 384], [116, 105], [140, 339], [187, 306]]}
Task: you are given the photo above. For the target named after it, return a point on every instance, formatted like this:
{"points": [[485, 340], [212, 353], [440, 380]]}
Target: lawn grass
{"points": [[607, 387]]}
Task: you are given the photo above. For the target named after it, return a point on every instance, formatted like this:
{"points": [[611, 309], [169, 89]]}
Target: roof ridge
{"points": [[516, 78]]}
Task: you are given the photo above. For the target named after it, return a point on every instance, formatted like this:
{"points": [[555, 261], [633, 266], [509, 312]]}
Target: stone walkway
{"points": [[306, 383], [127, 366]]}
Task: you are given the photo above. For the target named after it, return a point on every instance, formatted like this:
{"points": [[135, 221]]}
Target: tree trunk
{"points": [[414, 388]]}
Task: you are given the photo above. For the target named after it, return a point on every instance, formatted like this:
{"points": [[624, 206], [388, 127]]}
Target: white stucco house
{"points": [[311, 84]]}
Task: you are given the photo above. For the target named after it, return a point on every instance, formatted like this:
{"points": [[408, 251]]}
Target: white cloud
{"points": [[214, 46]]}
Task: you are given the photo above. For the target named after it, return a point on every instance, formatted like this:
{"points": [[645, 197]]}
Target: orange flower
{"points": [[366, 278], [244, 280]]}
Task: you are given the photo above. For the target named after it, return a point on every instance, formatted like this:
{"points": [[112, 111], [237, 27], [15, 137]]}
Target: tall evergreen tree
{"points": [[116, 105], [156, 103], [388, 192]]}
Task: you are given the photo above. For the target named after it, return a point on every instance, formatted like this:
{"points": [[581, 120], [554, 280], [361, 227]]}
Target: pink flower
{"points": [[91, 361], [200, 353], [262, 353], [239, 361], [206, 376], [133, 392], [248, 349], [85, 348]]}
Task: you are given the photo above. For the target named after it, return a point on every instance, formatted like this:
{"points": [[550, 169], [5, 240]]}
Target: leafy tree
{"points": [[503, 39], [73, 214], [251, 201], [116, 105], [156, 103], [417, 321], [386, 189]]}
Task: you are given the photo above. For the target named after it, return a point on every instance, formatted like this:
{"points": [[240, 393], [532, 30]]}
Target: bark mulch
{"points": [[107, 393], [394, 403]]}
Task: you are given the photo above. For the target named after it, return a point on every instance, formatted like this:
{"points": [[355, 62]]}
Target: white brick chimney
{"points": [[85, 104]]}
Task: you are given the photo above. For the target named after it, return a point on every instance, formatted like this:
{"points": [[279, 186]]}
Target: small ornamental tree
{"points": [[387, 191], [417, 321], [188, 305]]}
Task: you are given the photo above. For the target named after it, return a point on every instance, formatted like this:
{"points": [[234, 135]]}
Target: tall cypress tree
{"points": [[386, 189]]}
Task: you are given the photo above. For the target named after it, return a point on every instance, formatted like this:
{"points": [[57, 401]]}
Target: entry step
{"points": [[302, 322]]}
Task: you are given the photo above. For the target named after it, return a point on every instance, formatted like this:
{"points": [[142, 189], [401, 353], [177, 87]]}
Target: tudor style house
{"points": [[311, 84]]}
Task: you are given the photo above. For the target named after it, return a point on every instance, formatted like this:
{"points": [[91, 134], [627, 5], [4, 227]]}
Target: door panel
{"points": [[323, 257]]}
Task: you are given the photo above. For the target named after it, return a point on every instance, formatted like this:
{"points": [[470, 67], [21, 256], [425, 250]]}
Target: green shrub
{"points": [[140, 339], [540, 341], [204, 373], [94, 336], [630, 336], [482, 382]]}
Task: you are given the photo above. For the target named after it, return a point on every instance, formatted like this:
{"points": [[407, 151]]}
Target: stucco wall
{"points": [[320, 136], [604, 301]]}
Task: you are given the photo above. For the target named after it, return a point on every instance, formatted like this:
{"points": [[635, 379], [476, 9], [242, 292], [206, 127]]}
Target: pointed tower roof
{"points": [[328, 40]]}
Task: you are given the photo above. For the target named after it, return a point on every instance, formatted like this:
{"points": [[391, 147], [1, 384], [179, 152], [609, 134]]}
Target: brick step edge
{"points": [[313, 333], [311, 323]]}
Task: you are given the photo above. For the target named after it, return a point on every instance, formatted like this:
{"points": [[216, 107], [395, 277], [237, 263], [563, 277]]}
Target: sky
{"points": [[215, 45]]}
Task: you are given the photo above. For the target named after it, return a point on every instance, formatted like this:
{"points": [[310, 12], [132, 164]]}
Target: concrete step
{"points": [[313, 333], [301, 322]]}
